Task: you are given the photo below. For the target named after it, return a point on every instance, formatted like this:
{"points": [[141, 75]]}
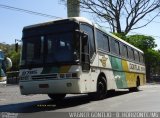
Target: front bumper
{"points": [[67, 86]]}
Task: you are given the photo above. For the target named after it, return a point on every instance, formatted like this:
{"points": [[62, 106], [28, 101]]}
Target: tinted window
{"points": [[102, 41], [50, 49], [117, 47], [136, 54], [114, 45], [89, 30], [124, 51], [59, 48], [141, 58], [32, 52], [131, 53]]}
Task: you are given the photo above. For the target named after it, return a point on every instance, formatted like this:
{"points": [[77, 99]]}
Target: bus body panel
{"points": [[106, 68], [121, 73], [58, 80]]}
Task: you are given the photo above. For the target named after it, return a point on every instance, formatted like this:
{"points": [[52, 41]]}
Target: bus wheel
{"points": [[57, 97], [135, 89], [101, 89]]}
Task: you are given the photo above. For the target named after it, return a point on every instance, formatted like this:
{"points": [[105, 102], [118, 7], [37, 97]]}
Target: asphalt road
{"points": [[17, 105]]}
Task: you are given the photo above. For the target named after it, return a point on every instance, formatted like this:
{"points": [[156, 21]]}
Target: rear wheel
{"points": [[135, 89], [57, 97]]}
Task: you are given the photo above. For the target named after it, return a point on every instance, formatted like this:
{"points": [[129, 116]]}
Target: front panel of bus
{"points": [[50, 60]]}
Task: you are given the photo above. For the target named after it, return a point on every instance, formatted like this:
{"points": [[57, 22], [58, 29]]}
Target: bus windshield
{"points": [[59, 48], [48, 49]]}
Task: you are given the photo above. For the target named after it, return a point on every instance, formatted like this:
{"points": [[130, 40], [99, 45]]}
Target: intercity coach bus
{"points": [[73, 55]]}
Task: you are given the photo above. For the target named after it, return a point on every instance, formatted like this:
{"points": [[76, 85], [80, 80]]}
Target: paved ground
{"points": [[146, 100]]}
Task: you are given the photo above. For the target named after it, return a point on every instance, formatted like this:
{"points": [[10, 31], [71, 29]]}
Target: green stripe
{"points": [[119, 75]]}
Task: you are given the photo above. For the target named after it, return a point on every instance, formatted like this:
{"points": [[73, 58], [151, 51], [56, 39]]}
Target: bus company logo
{"points": [[134, 67], [103, 61], [26, 73]]}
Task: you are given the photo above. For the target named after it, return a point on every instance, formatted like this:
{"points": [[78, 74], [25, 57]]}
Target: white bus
{"points": [[73, 55]]}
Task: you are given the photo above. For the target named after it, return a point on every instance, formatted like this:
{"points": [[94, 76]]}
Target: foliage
{"points": [[142, 42], [9, 51], [116, 12], [153, 56]]}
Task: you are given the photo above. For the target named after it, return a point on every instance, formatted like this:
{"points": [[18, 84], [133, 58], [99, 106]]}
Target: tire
{"points": [[135, 89], [57, 97], [101, 89]]}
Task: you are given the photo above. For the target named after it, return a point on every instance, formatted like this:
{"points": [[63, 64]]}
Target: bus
{"points": [[5, 63], [75, 56]]}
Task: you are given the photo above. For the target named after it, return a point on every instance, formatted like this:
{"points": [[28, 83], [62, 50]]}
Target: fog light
{"points": [[69, 84]]}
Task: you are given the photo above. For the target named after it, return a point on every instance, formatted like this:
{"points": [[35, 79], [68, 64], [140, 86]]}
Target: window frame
{"points": [[93, 40], [104, 37], [123, 48]]}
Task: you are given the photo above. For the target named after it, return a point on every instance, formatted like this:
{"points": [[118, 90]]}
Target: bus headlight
{"points": [[68, 75], [62, 75], [74, 75]]}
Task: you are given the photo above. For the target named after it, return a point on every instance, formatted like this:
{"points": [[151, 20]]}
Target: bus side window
{"points": [[114, 45], [102, 41], [106, 43], [117, 47], [124, 51], [131, 53], [141, 58], [136, 56], [89, 31]]}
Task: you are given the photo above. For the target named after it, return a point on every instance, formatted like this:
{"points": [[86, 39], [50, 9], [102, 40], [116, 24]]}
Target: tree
{"points": [[15, 57], [147, 45], [114, 12], [142, 42], [9, 51]]}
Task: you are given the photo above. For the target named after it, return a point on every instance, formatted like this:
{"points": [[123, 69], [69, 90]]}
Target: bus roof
{"points": [[79, 19], [82, 19]]}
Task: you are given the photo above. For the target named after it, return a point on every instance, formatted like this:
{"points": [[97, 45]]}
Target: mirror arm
{"points": [[16, 44]]}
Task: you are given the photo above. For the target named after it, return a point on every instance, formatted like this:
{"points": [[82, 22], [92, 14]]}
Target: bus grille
{"points": [[48, 76]]}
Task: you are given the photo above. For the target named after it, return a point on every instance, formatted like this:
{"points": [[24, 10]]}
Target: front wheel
{"points": [[57, 97], [101, 89]]}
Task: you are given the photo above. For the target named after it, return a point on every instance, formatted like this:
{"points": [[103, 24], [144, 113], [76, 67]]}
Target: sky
{"points": [[12, 22]]}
